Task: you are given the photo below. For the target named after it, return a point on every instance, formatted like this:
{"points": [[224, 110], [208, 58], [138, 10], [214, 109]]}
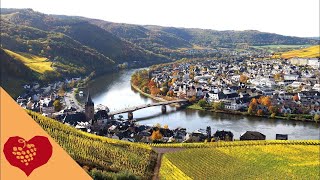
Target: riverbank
{"points": [[294, 117], [152, 97]]}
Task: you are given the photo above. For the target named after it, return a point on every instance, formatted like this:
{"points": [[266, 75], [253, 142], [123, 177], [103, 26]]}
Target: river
{"points": [[114, 91]]}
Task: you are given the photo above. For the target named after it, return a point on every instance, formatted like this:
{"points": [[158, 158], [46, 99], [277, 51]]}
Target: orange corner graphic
{"points": [[21, 133]]}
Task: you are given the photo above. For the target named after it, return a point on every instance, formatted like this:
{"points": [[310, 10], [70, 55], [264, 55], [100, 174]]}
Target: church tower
{"points": [[89, 108]]}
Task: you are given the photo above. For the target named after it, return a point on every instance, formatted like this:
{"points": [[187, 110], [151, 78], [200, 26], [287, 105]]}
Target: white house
{"points": [[296, 84], [314, 62], [316, 87]]}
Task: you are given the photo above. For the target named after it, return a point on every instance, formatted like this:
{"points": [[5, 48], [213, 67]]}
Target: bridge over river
{"points": [[135, 108]]}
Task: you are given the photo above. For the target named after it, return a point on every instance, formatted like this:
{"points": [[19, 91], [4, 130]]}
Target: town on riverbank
{"points": [[256, 88], [268, 88]]}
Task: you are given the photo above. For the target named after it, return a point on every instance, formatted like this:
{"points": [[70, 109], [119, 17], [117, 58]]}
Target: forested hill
{"points": [[157, 37], [74, 44]]}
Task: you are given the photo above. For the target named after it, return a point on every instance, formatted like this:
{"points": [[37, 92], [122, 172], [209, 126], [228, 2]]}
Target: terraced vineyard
{"points": [[275, 161], [36, 63], [103, 153], [310, 52]]}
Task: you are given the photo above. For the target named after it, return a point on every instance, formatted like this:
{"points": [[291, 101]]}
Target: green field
{"points": [[36, 63], [113, 158], [243, 162]]}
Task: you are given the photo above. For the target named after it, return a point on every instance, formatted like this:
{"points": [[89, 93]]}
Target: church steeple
{"points": [[89, 100], [89, 108]]}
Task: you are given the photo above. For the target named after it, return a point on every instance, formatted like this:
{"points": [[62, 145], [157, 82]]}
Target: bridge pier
{"points": [[164, 109], [130, 115]]}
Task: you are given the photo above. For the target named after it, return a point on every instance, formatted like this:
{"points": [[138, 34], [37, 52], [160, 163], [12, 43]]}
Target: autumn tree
{"points": [[57, 105], [253, 104], [166, 126], [316, 117], [243, 78], [273, 109], [265, 100], [156, 135], [173, 80], [260, 112], [164, 91], [170, 93], [295, 97], [278, 77], [250, 110], [192, 99], [154, 91], [61, 91], [151, 84]]}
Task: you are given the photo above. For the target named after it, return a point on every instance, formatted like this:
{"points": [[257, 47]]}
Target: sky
{"points": [[286, 17]]}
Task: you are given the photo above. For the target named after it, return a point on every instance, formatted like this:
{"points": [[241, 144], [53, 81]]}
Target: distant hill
{"points": [[172, 38], [146, 38], [310, 52]]}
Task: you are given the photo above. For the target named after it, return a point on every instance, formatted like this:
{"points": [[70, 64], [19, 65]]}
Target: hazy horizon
{"points": [[243, 15]]}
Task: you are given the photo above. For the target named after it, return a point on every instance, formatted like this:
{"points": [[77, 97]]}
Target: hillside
{"points": [[154, 40], [113, 158], [78, 46], [297, 160], [310, 52], [212, 38], [87, 34], [69, 56], [13, 70]]}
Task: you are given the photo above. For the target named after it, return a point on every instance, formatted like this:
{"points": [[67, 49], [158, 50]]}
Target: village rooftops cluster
{"points": [[236, 82]]}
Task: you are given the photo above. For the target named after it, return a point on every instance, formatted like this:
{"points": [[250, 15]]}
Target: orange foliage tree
{"points": [[260, 112], [156, 135], [273, 109], [295, 97], [170, 93], [265, 100], [151, 84], [253, 104], [243, 78], [154, 91]]}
